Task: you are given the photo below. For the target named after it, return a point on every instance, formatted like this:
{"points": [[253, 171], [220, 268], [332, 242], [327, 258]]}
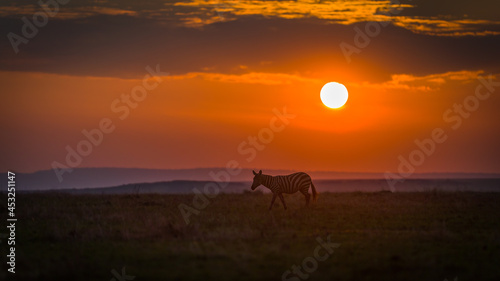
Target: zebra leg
{"points": [[272, 201], [282, 200], [306, 194]]}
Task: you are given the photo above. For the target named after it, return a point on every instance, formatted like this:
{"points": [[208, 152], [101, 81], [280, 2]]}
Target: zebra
{"points": [[285, 184]]}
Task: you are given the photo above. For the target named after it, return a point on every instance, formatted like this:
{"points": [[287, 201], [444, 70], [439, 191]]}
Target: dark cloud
{"points": [[121, 46], [483, 9]]}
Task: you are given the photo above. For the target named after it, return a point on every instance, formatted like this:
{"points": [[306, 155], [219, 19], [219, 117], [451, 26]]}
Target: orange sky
{"points": [[229, 70]]}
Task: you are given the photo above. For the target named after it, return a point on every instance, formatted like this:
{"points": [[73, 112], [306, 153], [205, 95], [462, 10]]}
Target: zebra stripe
{"points": [[286, 184]]}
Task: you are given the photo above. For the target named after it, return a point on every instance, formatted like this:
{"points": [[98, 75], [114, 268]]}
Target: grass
{"points": [[382, 236]]}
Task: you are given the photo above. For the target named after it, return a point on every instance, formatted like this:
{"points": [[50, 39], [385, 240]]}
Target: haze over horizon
{"points": [[239, 81]]}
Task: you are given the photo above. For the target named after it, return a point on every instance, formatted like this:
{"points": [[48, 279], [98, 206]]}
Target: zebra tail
{"points": [[315, 194]]}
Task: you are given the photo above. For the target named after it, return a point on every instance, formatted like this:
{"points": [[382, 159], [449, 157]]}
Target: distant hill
{"points": [[362, 185], [112, 177]]}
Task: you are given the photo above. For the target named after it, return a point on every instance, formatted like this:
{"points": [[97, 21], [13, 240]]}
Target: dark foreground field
{"points": [[382, 236]]}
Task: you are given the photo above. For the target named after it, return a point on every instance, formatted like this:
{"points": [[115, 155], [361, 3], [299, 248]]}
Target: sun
{"points": [[334, 95]]}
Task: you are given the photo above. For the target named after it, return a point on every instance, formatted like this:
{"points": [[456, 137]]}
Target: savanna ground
{"points": [[426, 236]]}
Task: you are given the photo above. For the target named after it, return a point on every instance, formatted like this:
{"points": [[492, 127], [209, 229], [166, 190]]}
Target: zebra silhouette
{"points": [[285, 184]]}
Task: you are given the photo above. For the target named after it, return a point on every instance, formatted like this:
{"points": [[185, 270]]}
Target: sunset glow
{"points": [[216, 70]]}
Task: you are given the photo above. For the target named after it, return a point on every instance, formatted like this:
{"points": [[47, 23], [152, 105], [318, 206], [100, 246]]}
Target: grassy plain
{"points": [[426, 236]]}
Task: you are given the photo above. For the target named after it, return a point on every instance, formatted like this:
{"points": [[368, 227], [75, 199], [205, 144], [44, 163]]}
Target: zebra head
{"points": [[257, 179]]}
